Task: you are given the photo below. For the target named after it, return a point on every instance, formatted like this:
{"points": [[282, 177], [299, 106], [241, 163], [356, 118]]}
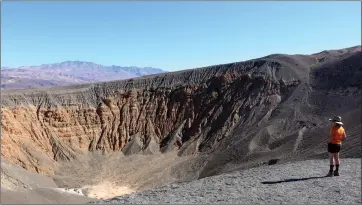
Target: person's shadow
{"points": [[292, 180]]}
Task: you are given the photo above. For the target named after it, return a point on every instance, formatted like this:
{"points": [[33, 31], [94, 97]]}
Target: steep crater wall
{"points": [[198, 108]]}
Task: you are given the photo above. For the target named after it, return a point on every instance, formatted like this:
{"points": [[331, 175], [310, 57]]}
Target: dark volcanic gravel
{"points": [[292, 183]]}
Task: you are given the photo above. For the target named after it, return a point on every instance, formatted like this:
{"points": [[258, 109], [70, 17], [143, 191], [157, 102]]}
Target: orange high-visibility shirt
{"points": [[337, 134]]}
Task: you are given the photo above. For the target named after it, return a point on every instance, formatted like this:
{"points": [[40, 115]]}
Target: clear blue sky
{"points": [[172, 35]]}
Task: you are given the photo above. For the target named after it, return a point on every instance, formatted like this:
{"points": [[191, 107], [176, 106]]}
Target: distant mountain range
{"points": [[68, 73]]}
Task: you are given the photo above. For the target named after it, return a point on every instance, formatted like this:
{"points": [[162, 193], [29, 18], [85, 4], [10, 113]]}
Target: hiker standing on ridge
{"points": [[334, 145]]}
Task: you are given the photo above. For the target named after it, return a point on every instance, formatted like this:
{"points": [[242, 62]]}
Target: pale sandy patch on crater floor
{"points": [[106, 190]]}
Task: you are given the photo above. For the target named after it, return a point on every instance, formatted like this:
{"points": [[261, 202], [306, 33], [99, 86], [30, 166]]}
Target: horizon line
{"points": [[104, 65]]}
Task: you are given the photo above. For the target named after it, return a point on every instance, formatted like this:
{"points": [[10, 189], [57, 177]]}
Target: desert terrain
{"points": [[67, 73], [279, 184], [169, 137]]}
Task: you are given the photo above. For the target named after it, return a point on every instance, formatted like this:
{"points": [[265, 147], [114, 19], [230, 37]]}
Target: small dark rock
{"points": [[273, 161]]}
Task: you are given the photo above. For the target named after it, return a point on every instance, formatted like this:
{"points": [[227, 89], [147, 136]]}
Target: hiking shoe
{"points": [[330, 174], [336, 173]]}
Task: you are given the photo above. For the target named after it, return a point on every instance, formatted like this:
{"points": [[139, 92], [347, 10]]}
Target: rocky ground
{"points": [[291, 183]]}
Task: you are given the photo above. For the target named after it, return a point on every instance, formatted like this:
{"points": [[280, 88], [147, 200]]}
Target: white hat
{"points": [[337, 120]]}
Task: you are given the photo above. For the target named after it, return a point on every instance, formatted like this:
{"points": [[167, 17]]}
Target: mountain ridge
{"points": [[68, 73]]}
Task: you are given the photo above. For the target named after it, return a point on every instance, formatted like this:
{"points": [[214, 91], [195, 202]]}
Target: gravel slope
{"points": [[291, 183], [42, 196], [19, 186]]}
